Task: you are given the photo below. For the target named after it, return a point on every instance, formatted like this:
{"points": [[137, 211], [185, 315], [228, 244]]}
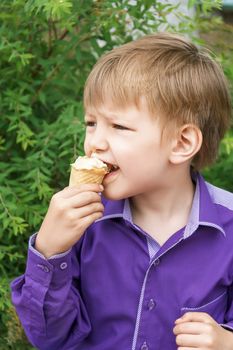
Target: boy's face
{"points": [[130, 139]]}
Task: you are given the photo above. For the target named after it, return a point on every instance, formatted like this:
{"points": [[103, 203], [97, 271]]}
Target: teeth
{"points": [[112, 167]]}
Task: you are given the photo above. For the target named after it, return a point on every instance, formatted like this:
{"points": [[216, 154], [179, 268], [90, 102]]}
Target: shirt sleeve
{"points": [[50, 308]]}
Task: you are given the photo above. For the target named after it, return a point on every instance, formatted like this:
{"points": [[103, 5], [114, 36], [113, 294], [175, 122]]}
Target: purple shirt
{"points": [[118, 289]]}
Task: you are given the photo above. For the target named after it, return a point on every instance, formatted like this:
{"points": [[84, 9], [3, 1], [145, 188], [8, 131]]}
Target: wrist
{"points": [[43, 247]]}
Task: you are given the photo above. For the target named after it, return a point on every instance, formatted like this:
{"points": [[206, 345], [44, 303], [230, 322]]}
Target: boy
{"points": [[149, 265]]}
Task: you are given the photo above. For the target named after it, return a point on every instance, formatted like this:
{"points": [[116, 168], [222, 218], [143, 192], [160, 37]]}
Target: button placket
{"points": [[144, 346], [151, 304]]}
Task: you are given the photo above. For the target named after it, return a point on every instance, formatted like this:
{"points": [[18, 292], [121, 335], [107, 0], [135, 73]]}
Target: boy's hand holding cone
{"points": [[74, 208]]}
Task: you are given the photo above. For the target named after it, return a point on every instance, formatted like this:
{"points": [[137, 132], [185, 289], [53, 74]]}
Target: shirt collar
{"points": [[112, 209], [203, 211], [116, 209]]}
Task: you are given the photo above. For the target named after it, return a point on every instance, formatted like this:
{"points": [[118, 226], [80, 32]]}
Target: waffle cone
{"points": [[85, 176]]}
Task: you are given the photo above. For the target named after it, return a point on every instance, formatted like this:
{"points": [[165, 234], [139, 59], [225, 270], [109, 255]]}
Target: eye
{"points": [[90, 123], [120, 127]]}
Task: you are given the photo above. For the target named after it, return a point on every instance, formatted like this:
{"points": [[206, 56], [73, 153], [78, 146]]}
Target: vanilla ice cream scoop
{"points": [[89, 163]]}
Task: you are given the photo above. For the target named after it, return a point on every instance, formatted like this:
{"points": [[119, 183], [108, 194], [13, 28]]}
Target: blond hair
{"points": [[181, 84]]}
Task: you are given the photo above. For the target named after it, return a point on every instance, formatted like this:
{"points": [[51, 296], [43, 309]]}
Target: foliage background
{"points": [[47, 48]]}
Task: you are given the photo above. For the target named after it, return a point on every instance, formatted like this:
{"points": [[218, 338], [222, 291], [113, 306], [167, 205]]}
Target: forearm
{"points": [[47, 304]]}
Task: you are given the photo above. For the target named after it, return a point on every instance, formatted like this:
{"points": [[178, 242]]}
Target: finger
{"points": [[88, 187], [190, 328], [189, 340], [88, 220], [83, 199], [72, 191], [182, 348], [195, 317], [88, 210]]}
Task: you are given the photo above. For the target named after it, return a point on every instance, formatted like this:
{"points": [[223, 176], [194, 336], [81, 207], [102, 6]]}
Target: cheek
{"points": [[131, 154], [142, 162], [86, 145]]}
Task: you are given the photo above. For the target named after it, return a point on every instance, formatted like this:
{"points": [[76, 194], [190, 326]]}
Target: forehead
{"points": [[111, 110]]}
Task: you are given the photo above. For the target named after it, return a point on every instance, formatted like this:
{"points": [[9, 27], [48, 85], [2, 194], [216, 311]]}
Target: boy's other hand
{"points": [[199, 331], [70, 212]]}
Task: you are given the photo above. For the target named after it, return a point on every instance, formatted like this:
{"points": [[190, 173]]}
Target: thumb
{"points": [[195, 317]]}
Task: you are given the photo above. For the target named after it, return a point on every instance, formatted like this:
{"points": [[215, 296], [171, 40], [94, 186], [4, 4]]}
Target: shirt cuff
{"points": [[52, 272], [35, 251]]}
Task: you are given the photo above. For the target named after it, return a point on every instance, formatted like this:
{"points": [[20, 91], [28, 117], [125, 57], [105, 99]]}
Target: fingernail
{"points": [[101, 188]]}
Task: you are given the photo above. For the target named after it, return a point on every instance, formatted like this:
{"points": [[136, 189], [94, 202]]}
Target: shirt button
{"points": [[43, 267], [156, 262], [63, 266], [151, 304], [144, 346]]}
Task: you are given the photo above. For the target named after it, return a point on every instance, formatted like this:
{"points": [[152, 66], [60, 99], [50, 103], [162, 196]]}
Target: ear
{"points": [[185, 144]]}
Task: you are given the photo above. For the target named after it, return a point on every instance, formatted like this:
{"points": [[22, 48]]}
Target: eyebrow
{"points": [[105, 116]]}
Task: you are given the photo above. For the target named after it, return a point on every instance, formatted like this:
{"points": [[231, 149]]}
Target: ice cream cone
{"points": [[82, 176], [87, 170]]}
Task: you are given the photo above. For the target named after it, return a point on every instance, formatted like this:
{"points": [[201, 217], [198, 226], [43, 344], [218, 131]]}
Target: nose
{"points": [[97, 140]]}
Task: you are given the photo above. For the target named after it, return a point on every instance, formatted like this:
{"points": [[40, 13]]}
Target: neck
{"points": [[165, 210]]}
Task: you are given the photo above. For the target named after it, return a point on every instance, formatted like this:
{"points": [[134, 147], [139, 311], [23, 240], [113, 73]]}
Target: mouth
{"points": [[111, 174], [112, 167]]}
